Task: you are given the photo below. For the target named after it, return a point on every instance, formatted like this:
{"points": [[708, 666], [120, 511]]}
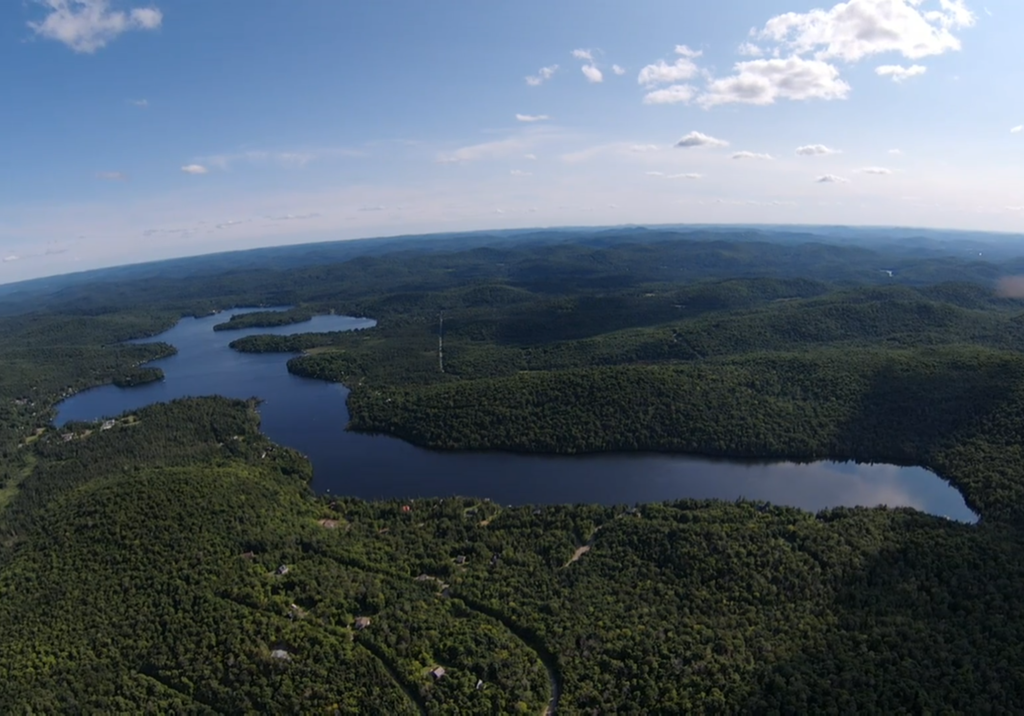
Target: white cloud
{"points": [[856, 29], [896, 152], [764, 81], [542, 76], [831, 179], [676, 94], [143, 103], [592, 74], [195, 169], [111, 176], [698, 139], [619, 70], [583, 55], [644, 148], [899, 73], [749, 49], [532, 117], [148, 18], [9, 259], [815, 150], [531, 157], [655, 174], [662, 73], [1018, 129], [687, 52], [88, 25], [520, 173], [875, 170], [751, 155]]}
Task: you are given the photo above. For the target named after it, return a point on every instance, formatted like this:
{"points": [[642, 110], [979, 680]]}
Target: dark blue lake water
{"points": [[310, 416]]}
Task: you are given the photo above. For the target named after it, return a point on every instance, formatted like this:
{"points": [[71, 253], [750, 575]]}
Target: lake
{"points": [[310, 416]]}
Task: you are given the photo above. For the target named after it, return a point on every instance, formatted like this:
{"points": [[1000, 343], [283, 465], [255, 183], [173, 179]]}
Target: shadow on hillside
{"points": [[925, 625], [918, 408]]}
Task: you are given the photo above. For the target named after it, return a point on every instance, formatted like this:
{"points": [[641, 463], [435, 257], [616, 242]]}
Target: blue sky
{"points": [[143, 129]]}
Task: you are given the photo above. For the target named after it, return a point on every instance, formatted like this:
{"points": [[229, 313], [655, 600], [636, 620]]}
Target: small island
{"points": [[265, 319], [138, 376]]}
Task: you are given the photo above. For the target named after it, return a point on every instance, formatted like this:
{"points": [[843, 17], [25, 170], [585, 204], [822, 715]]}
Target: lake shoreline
{"points": [[311, 416]]}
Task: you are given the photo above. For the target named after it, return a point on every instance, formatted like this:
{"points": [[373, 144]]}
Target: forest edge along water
{"points": [[310, 416]]}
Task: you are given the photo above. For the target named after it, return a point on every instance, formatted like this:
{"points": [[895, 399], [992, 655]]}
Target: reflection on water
{"points": [[310, 416]]}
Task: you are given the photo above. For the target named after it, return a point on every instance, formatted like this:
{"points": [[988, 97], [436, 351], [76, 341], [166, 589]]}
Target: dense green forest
{"points": [[265, 319], [178, 562]]}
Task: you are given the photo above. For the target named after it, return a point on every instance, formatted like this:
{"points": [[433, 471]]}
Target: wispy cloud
{"points": [[542, 76], [815, 150], [141, 103], [1018, 129], [831, 179], [875, 170], [592, 74], [9, 259], [520, 173], [899, 73], [112, 176], [293, 158], [896, 152], [532, 117], [517, 145], [644, 148], [293, 217], [619, 70], [195, 169], [587, 55], [749, 49], [751, 155], [699, 139], [688, 175], [88, 25]]}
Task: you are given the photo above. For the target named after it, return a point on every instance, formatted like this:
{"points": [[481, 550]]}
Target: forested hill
{"points": [[547, 261], [177, 562]]}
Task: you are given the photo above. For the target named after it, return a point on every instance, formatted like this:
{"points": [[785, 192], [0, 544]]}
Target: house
{"points": [[283, 570], [461, 559], [280, 654], [362, 623], [67, 437], [107, 425], [437, 673]]}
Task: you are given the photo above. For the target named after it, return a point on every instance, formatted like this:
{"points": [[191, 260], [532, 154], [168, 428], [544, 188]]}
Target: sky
{"points": [[134, 130]]}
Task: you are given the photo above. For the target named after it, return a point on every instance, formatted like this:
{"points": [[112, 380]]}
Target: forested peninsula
{"points": [[178, 561]]}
